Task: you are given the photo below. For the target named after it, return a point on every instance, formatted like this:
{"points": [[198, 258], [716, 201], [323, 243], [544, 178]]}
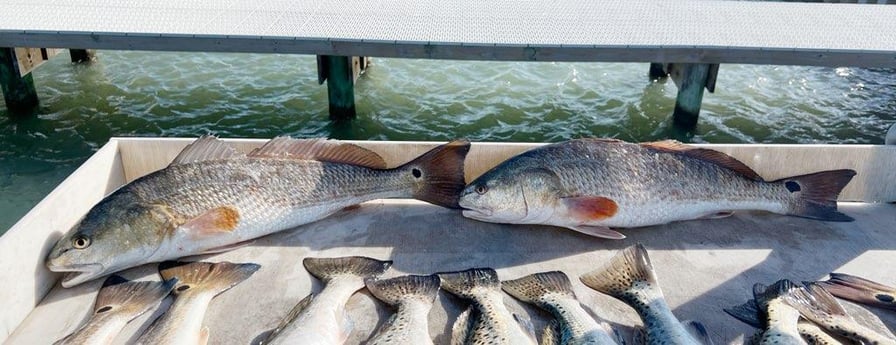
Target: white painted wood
{"points": [[23, 276]]}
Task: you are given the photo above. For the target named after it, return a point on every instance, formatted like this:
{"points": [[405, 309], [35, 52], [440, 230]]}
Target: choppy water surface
{"points": [[249, 95]]}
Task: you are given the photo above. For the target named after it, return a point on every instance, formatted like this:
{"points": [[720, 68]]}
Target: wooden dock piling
{"points": [[82, 55], [657, 71], [691, 79], [340, 73], [19, 92]]}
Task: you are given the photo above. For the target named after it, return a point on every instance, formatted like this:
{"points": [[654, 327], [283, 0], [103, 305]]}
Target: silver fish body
{"points": [[629, 277], [589, 185], [487, 320], [552, 291], [198, 283], [321, 319], [413, 296], [118, 302], [212, 197]]}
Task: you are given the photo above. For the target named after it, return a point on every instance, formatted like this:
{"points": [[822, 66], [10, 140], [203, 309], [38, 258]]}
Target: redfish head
{"points": [[503, 197], [114, 235]]}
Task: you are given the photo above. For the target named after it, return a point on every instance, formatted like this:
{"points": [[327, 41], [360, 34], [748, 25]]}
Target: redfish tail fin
{"points": [[440, 173], [816, 194]]}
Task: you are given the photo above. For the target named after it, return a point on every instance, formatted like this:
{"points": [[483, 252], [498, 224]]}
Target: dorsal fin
{"points": [[708, 155], [206, 148], [319, 149]]}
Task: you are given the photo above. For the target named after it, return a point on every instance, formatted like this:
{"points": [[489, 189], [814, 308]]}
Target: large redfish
{"points": [[213, 197], [591, 185]]}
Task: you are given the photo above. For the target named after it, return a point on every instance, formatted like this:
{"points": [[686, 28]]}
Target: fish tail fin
{"points": [[533, 288], [860, 290], [133, 298], [440, 173], [622, 272], [815, 195], [359, 266], [396, 290], [471, 282], [815, 303], [697, 331], [206, 276], [763, 294], [747, 313]]}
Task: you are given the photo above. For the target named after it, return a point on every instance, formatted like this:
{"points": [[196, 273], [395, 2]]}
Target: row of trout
{"points": [[213, 198], [784, 313]]}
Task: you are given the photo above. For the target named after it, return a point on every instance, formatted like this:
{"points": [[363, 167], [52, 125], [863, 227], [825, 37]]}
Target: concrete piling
{"points": [[19, 92]]}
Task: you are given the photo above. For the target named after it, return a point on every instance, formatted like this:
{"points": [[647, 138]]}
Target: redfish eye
{"points": [[80, 242], [481, 189]]}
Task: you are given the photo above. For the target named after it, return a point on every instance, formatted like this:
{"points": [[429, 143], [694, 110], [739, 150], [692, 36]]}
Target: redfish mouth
{"points": [[477, 214], [78, 274]]}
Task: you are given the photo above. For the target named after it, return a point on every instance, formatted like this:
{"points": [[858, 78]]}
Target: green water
{"points": [[261, 96]]}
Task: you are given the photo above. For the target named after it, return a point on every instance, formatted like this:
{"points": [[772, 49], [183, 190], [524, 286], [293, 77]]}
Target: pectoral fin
{"points": [[598, 231], [590, 208], [203, 336], [215, 221]]}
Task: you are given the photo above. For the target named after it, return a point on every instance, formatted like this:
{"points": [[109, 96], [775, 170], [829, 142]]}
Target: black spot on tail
{"points": [[793, 187]]}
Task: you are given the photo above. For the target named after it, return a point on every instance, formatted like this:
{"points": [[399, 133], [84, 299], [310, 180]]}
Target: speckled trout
{"points": [[321, 319], [781, 320], [413, 296], [212, 198], [118, 302], [552, 291], [629, 277], [487, 320], [817, 305], [197, 284], [591, 185]]}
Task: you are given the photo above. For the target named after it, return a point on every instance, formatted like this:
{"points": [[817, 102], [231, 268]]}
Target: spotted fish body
{"points": [[213, 197], [589, 185], [413, 296], [781, 323], [118, 302], [321, 319], [817, 305], [629, 277], [552, 291], [197, 284], [487, 320]]}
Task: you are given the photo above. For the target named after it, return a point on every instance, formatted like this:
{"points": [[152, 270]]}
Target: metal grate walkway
{"points": [[556, 30]]}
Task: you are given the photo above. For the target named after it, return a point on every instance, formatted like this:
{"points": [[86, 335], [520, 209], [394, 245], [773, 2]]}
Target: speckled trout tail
{"points": [[197, 284], [118, 302], [817, 305], [861, 290], [552, 291], [212, 198], [413, 296], [629, 277], [592, 185], [487, 320], [321, 319]]}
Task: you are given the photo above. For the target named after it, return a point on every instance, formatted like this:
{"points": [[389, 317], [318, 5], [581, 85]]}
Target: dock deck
{"points": [[822, 34]]}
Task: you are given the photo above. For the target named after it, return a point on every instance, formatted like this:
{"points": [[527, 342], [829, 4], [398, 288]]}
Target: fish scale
{"points": [[589, 185], [213, 198]]}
